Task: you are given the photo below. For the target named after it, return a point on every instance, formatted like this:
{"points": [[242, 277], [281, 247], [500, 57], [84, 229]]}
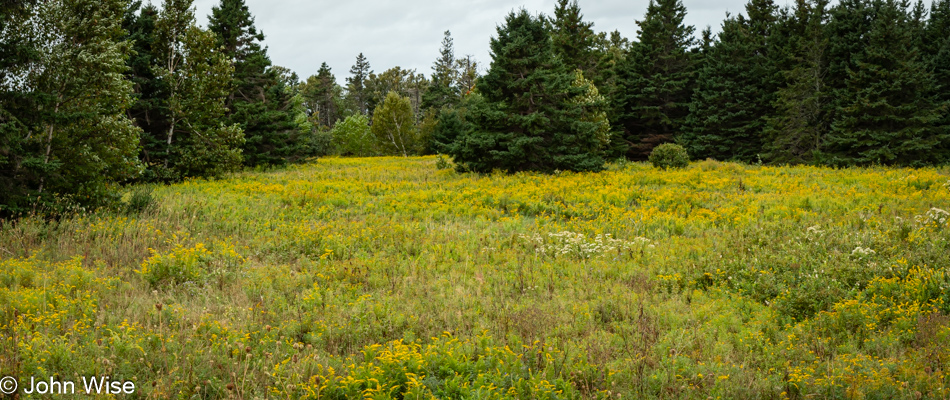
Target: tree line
{"points": [[95, 94], [863, 82]]}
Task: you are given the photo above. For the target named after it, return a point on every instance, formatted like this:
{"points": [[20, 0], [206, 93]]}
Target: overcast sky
{"points": [[301, 34]]}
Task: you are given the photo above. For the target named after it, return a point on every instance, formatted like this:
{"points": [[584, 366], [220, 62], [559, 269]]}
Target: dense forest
{"points": [[95, 94]]}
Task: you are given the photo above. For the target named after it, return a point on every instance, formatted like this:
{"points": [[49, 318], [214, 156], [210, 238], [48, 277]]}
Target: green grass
{"points": [[392, 278]]}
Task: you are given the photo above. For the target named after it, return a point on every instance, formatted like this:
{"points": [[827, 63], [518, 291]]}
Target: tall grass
{"points": [[392, 278]]}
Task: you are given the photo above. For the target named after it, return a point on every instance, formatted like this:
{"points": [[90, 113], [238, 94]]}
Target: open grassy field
{"points": [[388, 278]]}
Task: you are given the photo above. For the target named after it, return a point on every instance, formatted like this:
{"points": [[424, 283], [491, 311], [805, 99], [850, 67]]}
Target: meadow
{"points": [[391, 278]]}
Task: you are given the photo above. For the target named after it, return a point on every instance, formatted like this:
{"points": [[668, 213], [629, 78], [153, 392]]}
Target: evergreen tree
{"points": [[322, 96], [795, 132], [735, 88], [610, 52], [653, 89], [887, 114], [258, 103], [937, 57], [442, 91], [525, 117], [356, 83], [847, 32], [573, 38], [78, 139], [150, 110]]}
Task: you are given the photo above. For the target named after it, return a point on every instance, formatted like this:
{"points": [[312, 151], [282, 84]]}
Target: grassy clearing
{"points": [[390, 278]]}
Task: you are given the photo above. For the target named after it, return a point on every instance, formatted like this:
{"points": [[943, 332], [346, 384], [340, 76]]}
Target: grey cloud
{"points": [[301, 35]]}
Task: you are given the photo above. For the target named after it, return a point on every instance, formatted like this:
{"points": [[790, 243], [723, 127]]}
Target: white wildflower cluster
{"points": [[578, 245], [862, 251], [814, 231], [947, 184], [935, 216]]}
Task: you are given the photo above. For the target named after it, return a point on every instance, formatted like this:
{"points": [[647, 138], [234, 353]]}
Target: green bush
{"points": [[352, 137], [669, 155]]}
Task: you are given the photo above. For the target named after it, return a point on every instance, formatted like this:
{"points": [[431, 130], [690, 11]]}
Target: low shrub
{"points": [[669, 155]]}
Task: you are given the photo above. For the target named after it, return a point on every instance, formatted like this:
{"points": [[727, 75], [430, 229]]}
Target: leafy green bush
{"points": [[669, 155], [352, 137]]}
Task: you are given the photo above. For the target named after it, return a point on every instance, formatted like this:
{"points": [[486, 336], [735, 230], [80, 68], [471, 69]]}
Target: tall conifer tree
{"points": [[442, 90], [653, 90], [887, 113], [528, 117], [258, 102], [937, 53], [573, 38], [322, 96], [150, 110], [735, 89], [356, 84], [795, 132], [197, 81]]}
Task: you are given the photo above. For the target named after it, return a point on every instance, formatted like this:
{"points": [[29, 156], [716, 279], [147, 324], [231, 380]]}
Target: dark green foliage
{"points": [[735, 89], [17, 180], [937, 58], [322, 97], [573, 38], [63, 129], [886, 113], [794, 133], [653, 91], [846, 30], [258, 102], [356, 84], [442, 90], [150, 110], [669, 155], [449, 126], [524, 117]]}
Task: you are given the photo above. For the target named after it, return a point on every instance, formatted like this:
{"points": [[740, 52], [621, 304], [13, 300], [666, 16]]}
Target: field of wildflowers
{"points": [[389, 278]]}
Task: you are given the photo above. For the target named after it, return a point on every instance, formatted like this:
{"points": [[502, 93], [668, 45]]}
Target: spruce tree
{"points": [[651, 100], [150, 110], [442, 90], [356, 83], [847, 32], [937, 57], [735, 89], [573, 38], [322, 96], [795, 132], [526, 116], [887, 113], [258, 102]]}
